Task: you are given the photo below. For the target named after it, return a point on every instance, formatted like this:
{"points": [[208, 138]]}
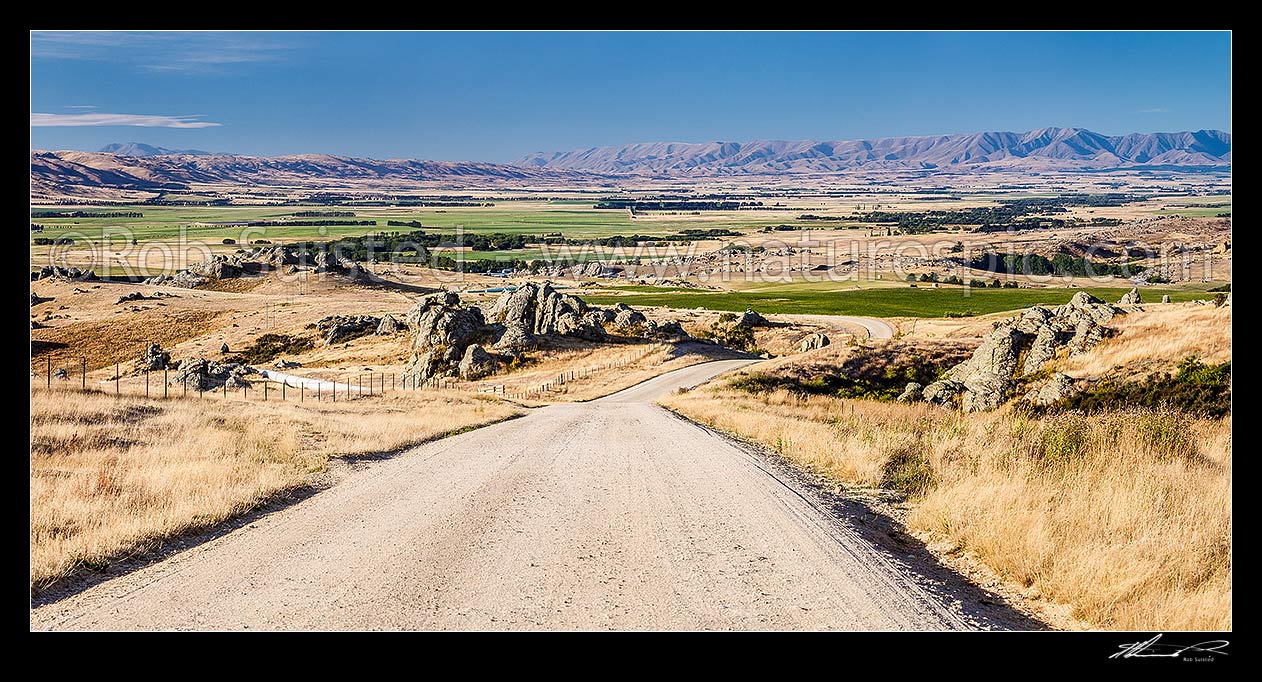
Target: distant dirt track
{"points": [[877, 328], [608, 514]]}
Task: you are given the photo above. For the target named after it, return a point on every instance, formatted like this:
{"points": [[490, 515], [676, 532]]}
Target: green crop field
{"points": [[882, 302], [572, 219]]}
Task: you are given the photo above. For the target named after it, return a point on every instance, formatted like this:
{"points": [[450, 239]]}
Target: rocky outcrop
{"points": [[155, 358], [205, 375], [287, 364], [1131, 297], [274, 256], [36, 300], [389, 325], [1055, 389], [442, 330], [914, 391], [751, 319], [342, 328], [670, 330], [1021, 346], [941, 392], [68, 274], [813, 342], [223, 266], [476, 363], [326, 262], [593, 269], [182, 279], [623, 315], [533, 310]]}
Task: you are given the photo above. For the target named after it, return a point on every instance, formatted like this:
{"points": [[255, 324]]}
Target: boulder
{"points": [[1043, 348], [941, 392], [515, 310], [1058, 387], [224, 349], [476, 363], [813, 342], [913, 392], [389, 325], [749, 318], [205, 375], [128, 298], [1165, 298], [61, 373], [36, 300], [155, 358], [1131, 297], [287, 364], [670, 330], [442, 329], [592, 269], [625, 316]]}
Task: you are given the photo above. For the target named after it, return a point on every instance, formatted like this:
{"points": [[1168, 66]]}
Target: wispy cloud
{"points": [[103, 119], [191, 52], [1155, 110], [80, 106]]}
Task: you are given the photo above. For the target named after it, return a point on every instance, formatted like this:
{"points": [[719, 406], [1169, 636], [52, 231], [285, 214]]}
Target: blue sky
{"points": [[498, 96]]}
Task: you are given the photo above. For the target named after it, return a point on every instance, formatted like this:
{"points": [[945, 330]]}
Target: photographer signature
{"points": [[1154, 649]]}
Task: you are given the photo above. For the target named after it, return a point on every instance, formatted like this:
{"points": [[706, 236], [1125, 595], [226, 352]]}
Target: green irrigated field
{"points": [[573, 219], [881, 302]]}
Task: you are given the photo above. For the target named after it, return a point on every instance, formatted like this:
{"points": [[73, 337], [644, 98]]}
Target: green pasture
{"points": [[823, 299], [163, 223]]}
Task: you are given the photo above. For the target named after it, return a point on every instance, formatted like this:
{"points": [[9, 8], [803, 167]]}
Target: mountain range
{"points": [[140, 166], [1049, 148], [54, 173], [142, 149]]}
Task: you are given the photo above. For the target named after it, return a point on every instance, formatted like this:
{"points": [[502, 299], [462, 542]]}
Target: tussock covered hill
{"points": [[55, 170]]}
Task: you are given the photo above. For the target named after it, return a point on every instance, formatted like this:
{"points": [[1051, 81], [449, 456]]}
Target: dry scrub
{"points": [[1126, 516], [1156, 339], [114, 476]]}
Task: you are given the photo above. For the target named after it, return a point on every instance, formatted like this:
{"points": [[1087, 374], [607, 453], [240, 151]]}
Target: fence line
{"points": [[363, 384]]}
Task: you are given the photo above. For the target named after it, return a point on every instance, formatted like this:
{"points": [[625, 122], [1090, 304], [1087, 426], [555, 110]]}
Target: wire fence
{"points": [[68, 370]]}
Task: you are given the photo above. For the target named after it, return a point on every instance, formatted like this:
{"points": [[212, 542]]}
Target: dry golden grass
{"points": [[1156, 339], [114, 476], [122, 339], [1125, 517]]}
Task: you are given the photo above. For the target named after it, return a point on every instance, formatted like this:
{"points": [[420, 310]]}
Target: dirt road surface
{"points": [[609, 514], [875, 327]]}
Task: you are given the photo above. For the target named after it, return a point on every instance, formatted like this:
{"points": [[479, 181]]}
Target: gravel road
{"points": [[608, 514], [876, 327]]}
